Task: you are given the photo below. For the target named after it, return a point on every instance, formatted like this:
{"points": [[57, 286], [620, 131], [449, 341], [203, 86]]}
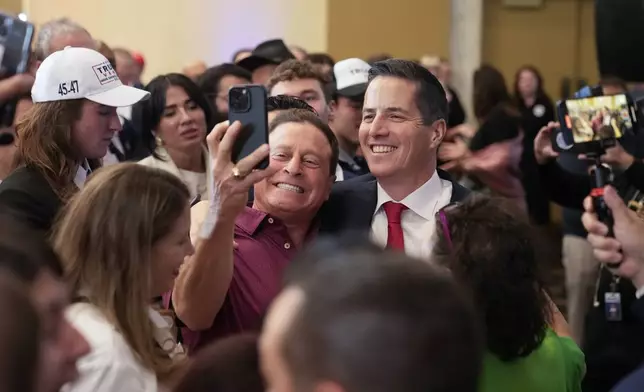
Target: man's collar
{"points": [[82, 173], [420, 200], [250, 219]]}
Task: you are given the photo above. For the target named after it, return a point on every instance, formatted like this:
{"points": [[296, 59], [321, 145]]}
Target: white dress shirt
{"points": [[111, 365], [82, 173], [419, 220]]}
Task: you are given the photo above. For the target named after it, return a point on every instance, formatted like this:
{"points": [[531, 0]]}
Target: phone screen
{"points": [[598, 118]]}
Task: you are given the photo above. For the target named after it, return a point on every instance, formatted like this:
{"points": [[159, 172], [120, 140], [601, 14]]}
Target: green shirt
{"points": [[558, 365]]}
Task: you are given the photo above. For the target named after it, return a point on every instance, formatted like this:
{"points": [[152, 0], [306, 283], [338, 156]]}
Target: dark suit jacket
{"points": [[27, 196], [635, 381], [352, 203]]}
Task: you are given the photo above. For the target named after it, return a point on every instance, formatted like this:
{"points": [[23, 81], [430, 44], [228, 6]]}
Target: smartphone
{"points": [[15, 49], [595, 123], [247, 104], [15, 45]]}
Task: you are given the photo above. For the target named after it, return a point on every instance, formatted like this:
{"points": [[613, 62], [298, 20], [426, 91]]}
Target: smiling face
{"points": [[394, 140], [302, 154]]}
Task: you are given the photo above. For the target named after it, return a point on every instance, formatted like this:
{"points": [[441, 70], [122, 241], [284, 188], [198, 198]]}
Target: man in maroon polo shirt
{"points": [[229, 291]]}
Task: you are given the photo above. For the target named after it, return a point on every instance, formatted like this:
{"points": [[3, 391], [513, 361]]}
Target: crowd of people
{"points": [[390, 244]]}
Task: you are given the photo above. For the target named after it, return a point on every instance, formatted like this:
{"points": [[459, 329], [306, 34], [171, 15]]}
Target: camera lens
{"points": [[239, 100]]}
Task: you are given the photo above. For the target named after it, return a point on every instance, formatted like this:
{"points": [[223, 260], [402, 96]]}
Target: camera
{"points": [[239, 99]]}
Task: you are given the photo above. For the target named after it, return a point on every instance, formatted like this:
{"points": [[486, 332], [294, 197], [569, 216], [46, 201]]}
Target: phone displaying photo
{"points": [[593, 122], [247, 104]]}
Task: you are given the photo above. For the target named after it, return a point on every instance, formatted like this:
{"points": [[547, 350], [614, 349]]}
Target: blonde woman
{"points": [[122, 240]]}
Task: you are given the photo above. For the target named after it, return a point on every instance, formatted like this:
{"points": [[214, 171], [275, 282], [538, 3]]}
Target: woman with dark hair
{"points": [[490, 155], [215, 83], [537, 110], [492, 252], [174, 123]]}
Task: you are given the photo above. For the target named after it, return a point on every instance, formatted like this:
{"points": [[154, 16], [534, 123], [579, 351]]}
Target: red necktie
{"points": [[395, 238]]}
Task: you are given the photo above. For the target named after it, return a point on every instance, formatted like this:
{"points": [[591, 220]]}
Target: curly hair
{"points": [[491, 251], [295, 70]]}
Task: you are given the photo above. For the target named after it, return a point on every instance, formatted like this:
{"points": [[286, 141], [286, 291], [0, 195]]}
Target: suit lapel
{"points": [[363, 205]]}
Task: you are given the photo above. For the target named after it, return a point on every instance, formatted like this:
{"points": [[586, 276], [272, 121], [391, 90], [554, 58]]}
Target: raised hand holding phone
{"points": [[231, 181], [623, 253]]}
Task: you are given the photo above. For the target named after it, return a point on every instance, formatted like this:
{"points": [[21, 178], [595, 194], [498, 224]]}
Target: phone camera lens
{"points": [[239, 100]]}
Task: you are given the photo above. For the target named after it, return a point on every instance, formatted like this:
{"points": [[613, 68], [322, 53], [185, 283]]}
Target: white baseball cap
{"points": [[76, 73], [351, 77]]}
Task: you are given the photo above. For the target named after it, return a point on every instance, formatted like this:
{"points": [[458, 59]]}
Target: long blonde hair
{"points": [[105, 238], [45, 143]]}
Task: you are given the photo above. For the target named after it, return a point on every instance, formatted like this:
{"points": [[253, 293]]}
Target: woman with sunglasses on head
{"points": [[122, 240], [174, 123], [491, 252]]}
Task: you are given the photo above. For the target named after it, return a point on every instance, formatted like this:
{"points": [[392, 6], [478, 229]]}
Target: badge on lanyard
{"points": [[613, 306], [613, 302]]}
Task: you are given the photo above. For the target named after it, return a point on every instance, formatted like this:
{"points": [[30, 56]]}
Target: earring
{"points": [[159, 141]]}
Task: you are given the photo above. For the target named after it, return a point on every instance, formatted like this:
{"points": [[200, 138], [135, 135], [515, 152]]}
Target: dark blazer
{"points": [[635, 381], [27, 196], [352, 203]]}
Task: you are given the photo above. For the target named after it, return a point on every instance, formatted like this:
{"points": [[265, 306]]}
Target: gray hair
{"points": [[52, 29]]}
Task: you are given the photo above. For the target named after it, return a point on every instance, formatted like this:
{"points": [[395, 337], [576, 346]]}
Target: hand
{"points": [[230, 193], [21, 83], [615, 156], [463, 130], [543, 151], [452, 151], [628, 229]]}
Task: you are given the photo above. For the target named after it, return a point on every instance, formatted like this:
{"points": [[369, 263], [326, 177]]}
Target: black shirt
{"points": [[533, 118], [500, 125]]}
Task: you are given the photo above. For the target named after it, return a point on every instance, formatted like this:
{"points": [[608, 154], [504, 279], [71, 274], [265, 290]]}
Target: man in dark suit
{"points": [[403, 123]]}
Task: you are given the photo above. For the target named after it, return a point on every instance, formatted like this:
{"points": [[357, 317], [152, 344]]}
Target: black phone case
{"points": [[15, 40], [563, 141], [254, 122]]}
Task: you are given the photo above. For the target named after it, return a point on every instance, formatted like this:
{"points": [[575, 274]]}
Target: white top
{"points": [[111, 365], [419, 220], [197, 183], [339, 174], [82, 173]]}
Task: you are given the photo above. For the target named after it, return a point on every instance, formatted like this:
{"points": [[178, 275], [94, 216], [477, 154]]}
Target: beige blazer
{"points": [[168, 165]]}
